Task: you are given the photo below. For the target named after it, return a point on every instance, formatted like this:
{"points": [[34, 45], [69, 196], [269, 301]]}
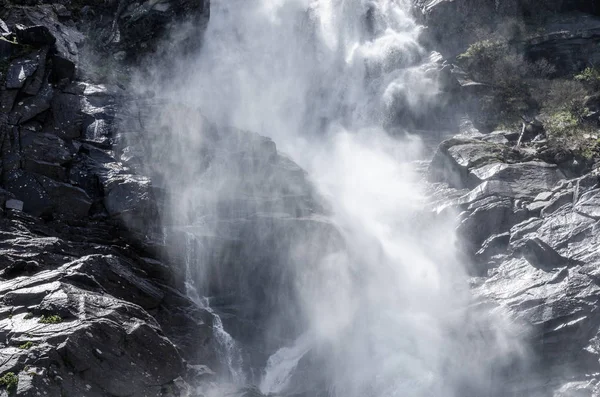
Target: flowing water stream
{"points": [[390, 314]]}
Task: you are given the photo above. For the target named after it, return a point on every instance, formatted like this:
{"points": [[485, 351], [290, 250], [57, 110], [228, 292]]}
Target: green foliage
{"points": [[481, 57], [563, 122], [589, 76], [26, 346], [10, 381], [50, 319], [484, 49]]}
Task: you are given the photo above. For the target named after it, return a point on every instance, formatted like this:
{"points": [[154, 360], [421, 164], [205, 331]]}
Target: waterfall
{"points": [[227, 349], [338, 85], [282, 364]]}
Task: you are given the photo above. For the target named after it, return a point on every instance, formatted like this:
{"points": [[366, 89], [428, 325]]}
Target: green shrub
{"points": [[50, 319], [10, 381], [589, 76], [26, 346]]}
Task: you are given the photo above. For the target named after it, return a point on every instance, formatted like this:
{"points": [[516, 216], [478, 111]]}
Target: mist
{"points": [[318, 232]]}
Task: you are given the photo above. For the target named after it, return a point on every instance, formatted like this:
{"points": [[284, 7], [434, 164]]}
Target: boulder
{"points": [[526, 179], [453, 159], [13, 204]]}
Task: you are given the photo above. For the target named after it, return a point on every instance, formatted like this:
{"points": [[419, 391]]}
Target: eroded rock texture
{"points": [[531, 234], [87, 306]]}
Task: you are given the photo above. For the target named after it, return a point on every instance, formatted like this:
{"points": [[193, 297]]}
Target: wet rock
{"points": [[454, 158], [541, 255], [32, 106], [589, 204], [38, 35], [19, 71], [493, 215], [66, 112], [557, 202], [526, 179], [51, 170], [93, 324], [44, 196], [45, 147], [7, 99], [492, 246]]}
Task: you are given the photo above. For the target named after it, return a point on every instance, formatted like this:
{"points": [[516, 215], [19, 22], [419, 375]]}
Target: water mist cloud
{"points": [[368, 296]]}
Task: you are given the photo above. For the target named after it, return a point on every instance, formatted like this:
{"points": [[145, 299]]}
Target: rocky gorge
{"points": [[97, 284]]}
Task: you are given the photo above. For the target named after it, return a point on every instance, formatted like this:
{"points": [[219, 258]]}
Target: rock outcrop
{"points": [[531, 234], [87, 305]]}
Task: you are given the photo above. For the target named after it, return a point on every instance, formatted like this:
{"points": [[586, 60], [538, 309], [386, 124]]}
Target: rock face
{"points": [[532, 237], [451, 24], [250, 214], [76, 312], [87, 307]]}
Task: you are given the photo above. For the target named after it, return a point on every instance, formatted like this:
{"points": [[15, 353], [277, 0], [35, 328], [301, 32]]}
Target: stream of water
{"points": [[327, 80]]}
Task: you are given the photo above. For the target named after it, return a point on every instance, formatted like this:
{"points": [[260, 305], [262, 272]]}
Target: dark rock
{"points": [[32, 106], [586, 183], [51, 170], [541, 255], [4, 27], [66, 111], [570, 43], [116, 278], [37, 35], [4, 196], [35, 83], [7, 99], [44, 196], [19, 71], [44, 147]]}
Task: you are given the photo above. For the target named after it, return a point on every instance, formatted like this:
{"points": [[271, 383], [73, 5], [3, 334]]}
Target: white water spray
{"points": [[389, 314]]}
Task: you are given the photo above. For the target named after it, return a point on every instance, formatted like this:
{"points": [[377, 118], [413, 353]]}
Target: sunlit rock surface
{"points": [[532, 236], [87, 307]]}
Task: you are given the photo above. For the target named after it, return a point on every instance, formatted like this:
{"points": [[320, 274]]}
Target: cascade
{"points": [[366, 296]]}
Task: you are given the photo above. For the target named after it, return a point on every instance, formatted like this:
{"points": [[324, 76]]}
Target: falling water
{"points": [[389, 312], [227, 349]]}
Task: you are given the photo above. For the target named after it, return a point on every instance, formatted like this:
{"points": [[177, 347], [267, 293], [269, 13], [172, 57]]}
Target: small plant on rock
{"points": [[10, 381], [50, 319], [26, 346], [590, 76]]}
